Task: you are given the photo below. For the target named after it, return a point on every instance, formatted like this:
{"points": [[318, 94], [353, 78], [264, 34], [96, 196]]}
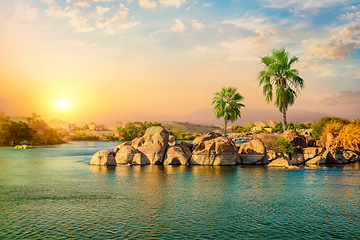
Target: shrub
{"points": [[346, 136], [284, 146], [278, 127], [349, 137], [318, 127]]}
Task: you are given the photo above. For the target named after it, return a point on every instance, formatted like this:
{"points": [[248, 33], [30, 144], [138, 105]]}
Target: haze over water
{"points": [[53, 192]]}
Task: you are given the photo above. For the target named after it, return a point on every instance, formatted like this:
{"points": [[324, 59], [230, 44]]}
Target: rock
{"points": [[125, 154], [116, 149], [153, 144], [316, 161], [297, 159], [311, 152], [253, 152], [175, 155], [318, 143], [307, 133], [334, 155], [270, 156], [187, 145], [295, 138], [140, 159], [103, 158], [206, 137], [350, 156], [311, 142], [218, 151], [279, 162], [172, 140]]}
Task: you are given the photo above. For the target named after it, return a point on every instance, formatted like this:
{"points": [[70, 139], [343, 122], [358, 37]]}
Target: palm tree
{"points": [[227, 105], [286, 81]]}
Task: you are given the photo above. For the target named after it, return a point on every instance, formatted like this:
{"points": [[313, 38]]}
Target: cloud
{"points": [[251, 23], [56, 11], [196, 24], [350, 16], [175, 3], [25, 10], [188, 8], [120, 27], [342, 98], [147, 4], [220, 30], [102, 10], [178, 26], [304, 4], [49, 1], [250, 48], [102, 22], [333, 50], [350, 32], [77, 22], [207, 4]]}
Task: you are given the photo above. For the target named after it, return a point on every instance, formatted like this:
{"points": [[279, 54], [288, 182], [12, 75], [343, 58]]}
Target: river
{"points": [[53, 193]]}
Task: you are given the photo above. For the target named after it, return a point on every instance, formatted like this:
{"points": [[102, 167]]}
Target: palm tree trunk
{"points": [[225, 126], [284, 120]]}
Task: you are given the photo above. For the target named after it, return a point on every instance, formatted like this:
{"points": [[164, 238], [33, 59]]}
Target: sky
{"points": [[96, 60]]}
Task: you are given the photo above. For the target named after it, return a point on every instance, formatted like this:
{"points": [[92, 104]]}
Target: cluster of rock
{"points": [[157, 147]]}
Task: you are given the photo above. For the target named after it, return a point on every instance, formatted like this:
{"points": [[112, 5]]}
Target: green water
{"points": [[53, 193]]}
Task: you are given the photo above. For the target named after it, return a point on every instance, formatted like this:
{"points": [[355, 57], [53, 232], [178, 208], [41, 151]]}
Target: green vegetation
{"points": [[182, 135], [345, 135], [284, 146], [227, 105], [35, 131], [317, 128], [134, 129], [286, 81], [82, 136], [240, 129], [292, 126]]}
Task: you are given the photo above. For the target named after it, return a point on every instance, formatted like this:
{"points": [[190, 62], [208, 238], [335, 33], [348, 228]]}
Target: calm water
{"points": [[53, 193]]}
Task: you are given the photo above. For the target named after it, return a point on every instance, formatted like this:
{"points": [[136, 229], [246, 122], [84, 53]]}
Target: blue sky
{"points": [[156, 53]]}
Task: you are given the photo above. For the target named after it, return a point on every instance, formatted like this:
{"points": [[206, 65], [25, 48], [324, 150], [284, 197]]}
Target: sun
{"points": [[62, 104]]}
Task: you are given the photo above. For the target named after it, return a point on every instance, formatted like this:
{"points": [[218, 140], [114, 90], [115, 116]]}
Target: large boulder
{"points": [[206, 137], [140, 159], [117, 148], [253, 152], [311, 152], [172, 140], [153, 144], [280, 162], [218, 151], [175, 155], [316, 160], [103, 158], [334, 155], [125, 154], [350, 156], [295, 138], [297, 159]]}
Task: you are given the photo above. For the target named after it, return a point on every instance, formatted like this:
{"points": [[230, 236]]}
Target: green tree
{"points": [[227, 105], [278, 74]]}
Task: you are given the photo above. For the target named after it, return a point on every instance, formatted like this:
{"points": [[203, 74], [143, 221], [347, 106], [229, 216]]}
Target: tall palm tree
{"points": [[227, 105], [286, 81]]}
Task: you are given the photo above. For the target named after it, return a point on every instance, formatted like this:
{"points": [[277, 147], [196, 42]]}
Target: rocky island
{"points": [[158, 147]]}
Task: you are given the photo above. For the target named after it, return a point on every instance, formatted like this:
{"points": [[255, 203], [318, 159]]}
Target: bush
{"points": [[284, 146], [240, 129], [278, 127], [346, 136], [319, 126]]}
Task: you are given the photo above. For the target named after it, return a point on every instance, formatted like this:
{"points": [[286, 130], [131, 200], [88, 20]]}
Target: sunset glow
{"points": [[62, 104], [116, 59]]}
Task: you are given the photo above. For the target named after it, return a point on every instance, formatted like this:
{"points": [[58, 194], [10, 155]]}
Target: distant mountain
{"points": [[206, 116], [56, 123]]}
